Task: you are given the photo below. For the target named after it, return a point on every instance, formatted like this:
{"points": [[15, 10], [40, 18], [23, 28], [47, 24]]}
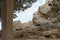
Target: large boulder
{"points": [[48, 14]]}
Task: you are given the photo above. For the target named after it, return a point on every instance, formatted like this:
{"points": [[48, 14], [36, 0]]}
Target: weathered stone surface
{"points": [[49, 32], [46, 7], [45, 22]]}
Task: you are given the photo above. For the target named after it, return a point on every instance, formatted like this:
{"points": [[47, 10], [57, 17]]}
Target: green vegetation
{"points": [[21, 5]]}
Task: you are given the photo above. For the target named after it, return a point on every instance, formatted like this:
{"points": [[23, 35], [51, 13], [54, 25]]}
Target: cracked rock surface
{"points": [[44, 25]]}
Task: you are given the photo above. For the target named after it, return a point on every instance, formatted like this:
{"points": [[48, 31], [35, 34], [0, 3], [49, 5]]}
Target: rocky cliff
{"points": [[45, 22]]}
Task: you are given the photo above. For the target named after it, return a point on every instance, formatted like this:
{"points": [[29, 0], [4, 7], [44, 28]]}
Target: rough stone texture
{"points": [[44, 25], [48, 14], [45, 8]]}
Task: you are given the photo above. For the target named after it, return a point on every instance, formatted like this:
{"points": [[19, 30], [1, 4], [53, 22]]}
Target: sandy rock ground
{"points": [[45, 24]]}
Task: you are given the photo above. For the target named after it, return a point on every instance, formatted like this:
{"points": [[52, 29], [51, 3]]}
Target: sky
{"points": [[27, 15]]}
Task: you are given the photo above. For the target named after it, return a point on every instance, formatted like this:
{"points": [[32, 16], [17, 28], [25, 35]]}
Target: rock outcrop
{"points": [[48, 14], [45, 22]]}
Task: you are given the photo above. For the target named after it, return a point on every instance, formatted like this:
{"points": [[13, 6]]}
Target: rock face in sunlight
{"points": [[45, 23], [46, 7], [48, 14]]}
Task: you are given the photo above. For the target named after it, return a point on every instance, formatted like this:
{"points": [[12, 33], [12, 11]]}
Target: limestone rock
{"points": [[45, 22], [50, 32], [46, 7]]}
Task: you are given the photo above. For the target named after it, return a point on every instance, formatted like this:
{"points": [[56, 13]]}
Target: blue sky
{"points": [[27, 15]]}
